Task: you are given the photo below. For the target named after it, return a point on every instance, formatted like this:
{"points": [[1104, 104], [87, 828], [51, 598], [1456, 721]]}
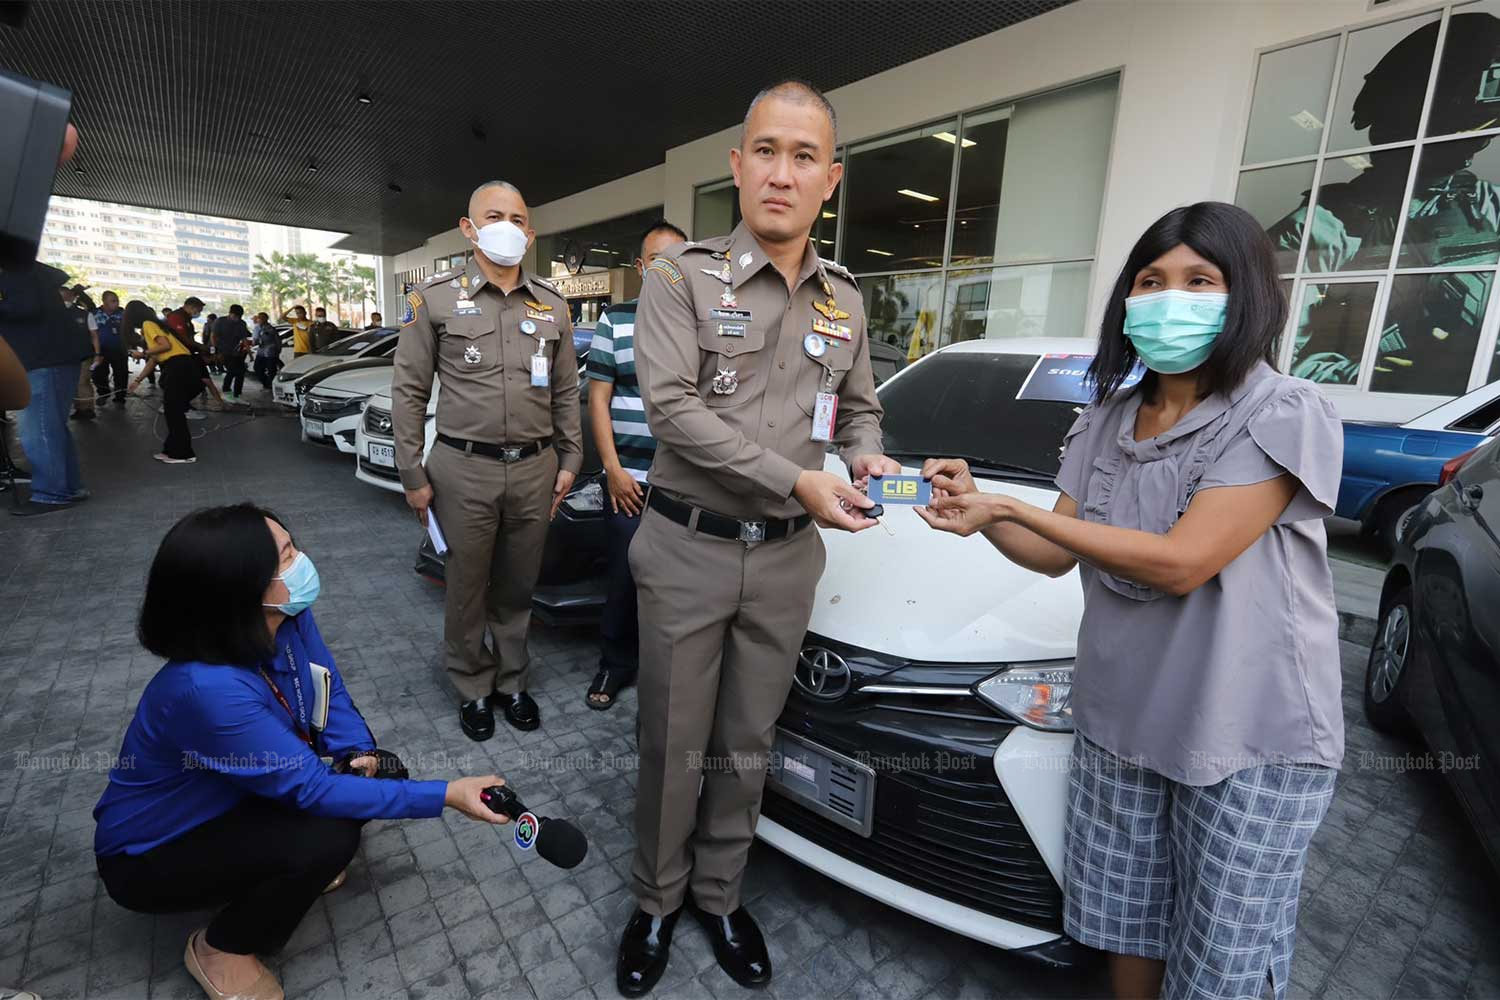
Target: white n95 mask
{"points": [[503, 242]]}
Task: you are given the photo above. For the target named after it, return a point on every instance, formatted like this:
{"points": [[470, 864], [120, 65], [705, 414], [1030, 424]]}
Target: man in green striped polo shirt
{"points": [[618, 422]]}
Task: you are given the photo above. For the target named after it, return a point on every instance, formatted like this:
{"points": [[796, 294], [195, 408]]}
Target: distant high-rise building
{"points": [[129, 249]]}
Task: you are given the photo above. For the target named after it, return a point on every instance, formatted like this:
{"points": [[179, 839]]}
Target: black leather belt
{"points": [[721, 525], [504, 452]]}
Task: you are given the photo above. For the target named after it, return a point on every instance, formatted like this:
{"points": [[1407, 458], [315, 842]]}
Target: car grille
{"points": [[377, 421], [960, 840], [330, 407]]}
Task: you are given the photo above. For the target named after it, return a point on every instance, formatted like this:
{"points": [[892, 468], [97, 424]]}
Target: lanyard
{"points": [[302, 733]]}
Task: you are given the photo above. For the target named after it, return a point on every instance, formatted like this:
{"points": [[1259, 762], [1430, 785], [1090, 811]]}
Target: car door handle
{"points": [[1470, 496]]}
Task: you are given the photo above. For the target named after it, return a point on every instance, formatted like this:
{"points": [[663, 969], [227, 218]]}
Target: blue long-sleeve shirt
{"points": [[207, 735]]}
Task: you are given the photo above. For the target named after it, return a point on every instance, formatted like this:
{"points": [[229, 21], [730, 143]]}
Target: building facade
{"points": [[994, 189]]}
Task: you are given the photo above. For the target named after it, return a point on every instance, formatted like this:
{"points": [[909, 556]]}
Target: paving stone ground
{"points": [[1398, 899]]}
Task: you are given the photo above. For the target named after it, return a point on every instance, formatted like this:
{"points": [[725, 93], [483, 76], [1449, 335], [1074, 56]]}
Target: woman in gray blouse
{"points": [[1206, 688]]}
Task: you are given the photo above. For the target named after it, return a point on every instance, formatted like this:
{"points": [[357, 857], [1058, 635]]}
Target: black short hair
{"points": [[1230, 239], [656, 227], [228, 555], [236, 310], [193, 300]]}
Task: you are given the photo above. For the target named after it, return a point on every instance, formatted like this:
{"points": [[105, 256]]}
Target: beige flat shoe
{"points": [[265, 986], [337, 881]]}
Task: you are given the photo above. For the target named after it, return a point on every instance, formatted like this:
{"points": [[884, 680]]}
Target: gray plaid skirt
{"points": [[1204, 878]]}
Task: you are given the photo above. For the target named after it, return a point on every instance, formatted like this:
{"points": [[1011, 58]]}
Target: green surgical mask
{"points": [[1174, 331]]}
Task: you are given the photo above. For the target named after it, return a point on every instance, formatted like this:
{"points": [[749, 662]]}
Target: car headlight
{"points": [[587, 499], [1039, 697]]}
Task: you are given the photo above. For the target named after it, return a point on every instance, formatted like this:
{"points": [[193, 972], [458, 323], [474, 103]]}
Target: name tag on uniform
{"points": [[544, 317], [466, 307], [911, 490], [743, 315], [539, 370], [825, 411], [732, 329]]}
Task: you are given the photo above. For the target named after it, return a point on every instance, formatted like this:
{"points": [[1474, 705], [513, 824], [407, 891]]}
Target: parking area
{"points": [[1398, 900]]}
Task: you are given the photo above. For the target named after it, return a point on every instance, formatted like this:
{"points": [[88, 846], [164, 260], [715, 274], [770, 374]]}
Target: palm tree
{"points": [[304, 273], [272, 277], [362, 285]]}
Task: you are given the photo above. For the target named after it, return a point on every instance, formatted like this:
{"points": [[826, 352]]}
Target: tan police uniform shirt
{"points": [[475, 339], [729, 383]]}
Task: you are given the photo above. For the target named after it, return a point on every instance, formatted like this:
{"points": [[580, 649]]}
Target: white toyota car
{"points": [[922, 757], [377, 343]]}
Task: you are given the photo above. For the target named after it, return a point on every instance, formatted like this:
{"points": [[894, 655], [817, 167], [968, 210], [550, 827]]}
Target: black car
{"points": [[1434, 668], [570, 585]]}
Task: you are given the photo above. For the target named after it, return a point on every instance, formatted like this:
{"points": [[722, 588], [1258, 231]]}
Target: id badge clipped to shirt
{"points": [[539, 370], [825, 412]]}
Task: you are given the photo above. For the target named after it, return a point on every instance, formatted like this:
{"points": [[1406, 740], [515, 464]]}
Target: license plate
{"points": [[383, 454], [314, 428], [835, 786]]}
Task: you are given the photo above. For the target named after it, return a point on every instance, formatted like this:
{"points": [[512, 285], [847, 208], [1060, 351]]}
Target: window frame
{"points": [[1489, 330]]}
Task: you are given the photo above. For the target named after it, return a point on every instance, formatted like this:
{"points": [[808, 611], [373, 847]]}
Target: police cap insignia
{"points": [[667, 268]]}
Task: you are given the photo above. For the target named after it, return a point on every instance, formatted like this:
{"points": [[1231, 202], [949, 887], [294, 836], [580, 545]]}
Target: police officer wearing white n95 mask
{"points": [[508, 447]]}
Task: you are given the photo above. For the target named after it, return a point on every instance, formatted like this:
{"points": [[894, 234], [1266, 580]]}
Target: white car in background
{"points": [[331, 409], [375, 443], [379, 342], [922, 757]]}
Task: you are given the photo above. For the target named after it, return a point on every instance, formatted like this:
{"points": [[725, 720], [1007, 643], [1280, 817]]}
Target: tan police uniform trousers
{"points": [[721, 624], [494, 518]]}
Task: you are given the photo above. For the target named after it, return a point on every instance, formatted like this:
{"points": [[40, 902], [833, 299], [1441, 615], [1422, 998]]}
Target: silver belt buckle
{"points": [[752, 531], [510, 453]]}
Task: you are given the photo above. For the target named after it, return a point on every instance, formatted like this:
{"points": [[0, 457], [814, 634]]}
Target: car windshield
{"points": [[352, 345], [964, 405]]}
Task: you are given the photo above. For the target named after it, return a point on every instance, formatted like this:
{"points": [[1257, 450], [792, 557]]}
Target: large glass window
{"points": [[716, 209], [902, 311], [1038, 300], [1387, 194], [897, 201]]}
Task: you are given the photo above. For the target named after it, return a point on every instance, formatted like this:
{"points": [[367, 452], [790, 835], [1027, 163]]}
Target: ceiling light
{"points": [[287, 196], [950, 138], [916, 194], [312, 166], [883, 253], [394, 187], [364, 99], [829, 215], [829, 242], [1306, 119]]}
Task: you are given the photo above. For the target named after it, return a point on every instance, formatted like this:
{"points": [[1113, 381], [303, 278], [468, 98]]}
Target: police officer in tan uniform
{"points": [[508, 446], [752, 357]]}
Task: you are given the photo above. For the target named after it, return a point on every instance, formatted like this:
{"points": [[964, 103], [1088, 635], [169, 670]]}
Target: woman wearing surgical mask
{"points": [[247, 773], [1206, 688]]}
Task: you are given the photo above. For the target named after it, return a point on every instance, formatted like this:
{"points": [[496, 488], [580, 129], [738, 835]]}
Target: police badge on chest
{"points": [[472, 355]]}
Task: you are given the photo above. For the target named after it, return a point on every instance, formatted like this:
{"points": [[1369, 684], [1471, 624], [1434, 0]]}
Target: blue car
{"points": [[1390, 468]]}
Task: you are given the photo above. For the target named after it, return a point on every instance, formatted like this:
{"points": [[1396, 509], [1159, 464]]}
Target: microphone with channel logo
{"points": [[555, 840]]}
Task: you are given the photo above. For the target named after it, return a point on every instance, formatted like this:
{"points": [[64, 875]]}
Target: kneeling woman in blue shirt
{"points": [[231, 792]]}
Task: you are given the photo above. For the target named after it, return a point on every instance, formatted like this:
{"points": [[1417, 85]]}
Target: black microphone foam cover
{"points": [[561, 843]]}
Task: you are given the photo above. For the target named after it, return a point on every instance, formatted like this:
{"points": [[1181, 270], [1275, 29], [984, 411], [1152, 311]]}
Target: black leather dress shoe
{"points": [[521, 710], [477, 719], [644, 949], [738, 946]]}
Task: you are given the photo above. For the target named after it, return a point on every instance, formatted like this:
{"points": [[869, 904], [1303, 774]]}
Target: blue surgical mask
{"points": [[1174, 331], [302, 586]]}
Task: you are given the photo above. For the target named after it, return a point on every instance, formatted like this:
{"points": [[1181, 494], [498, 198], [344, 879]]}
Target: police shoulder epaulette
{"points": [[836, 268], [714, 244], [448, 275], [547, 285]]}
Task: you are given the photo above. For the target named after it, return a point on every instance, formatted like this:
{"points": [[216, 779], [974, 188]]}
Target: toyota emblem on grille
{"points": [[382, 424], [822, 673]]}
